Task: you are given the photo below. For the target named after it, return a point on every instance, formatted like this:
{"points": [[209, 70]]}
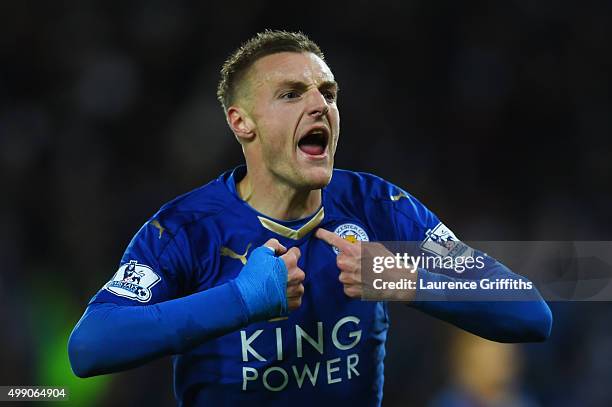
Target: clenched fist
{"points": [[295, 275]]}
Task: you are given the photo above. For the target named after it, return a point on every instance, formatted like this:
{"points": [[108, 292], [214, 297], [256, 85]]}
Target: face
{"points": [[292, 103]]}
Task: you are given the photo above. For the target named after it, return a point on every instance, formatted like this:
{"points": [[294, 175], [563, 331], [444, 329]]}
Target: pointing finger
{"points": [[332, 239]]}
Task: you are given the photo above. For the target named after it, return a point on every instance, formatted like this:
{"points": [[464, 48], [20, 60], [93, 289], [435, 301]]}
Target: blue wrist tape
{"points": [[263, 285]]}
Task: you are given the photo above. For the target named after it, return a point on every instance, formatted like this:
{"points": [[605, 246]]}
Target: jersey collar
{"points": [[294, 229]]}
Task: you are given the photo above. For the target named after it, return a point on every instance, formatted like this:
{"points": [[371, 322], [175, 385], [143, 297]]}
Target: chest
{"points": [[334, 337]]}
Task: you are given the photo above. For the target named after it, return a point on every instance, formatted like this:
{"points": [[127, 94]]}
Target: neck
{"points": [[277, 199]]}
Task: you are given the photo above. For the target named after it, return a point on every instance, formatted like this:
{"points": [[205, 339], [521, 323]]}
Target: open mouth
{"points": [[314, 142]]}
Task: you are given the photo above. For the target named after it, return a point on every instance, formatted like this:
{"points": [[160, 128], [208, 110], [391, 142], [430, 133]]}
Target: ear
{"points": [[241, 123]]}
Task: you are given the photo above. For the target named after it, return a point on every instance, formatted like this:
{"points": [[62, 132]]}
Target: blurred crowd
{"points": [[495, 114]]}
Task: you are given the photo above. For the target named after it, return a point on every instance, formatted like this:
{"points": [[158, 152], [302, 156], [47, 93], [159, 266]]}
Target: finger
{"points": [[295, 291], [332, 239], [352, 291], [348, 263], [342, 261], [295, 276], [296, 251], [345, 278], [349, 278], [294, 303], [291, 257], [294, 296], [275, 246]]}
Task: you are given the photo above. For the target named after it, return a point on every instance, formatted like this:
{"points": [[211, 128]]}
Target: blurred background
{"points": [[497, 115]]}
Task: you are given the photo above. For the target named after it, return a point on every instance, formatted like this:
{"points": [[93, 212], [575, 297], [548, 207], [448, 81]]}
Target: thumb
{"points": [[275, 246]]}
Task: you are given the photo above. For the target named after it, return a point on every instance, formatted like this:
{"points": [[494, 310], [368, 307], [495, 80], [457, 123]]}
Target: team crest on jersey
{"points": [[442, 241], [133, 281], [352, 233]]}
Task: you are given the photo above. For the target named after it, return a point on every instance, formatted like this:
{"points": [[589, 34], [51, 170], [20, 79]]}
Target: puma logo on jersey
{"points": [[399, 196], [226, 251], [158, 226]]}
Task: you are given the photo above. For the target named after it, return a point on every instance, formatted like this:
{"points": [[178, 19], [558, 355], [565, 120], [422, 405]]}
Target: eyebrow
{"points": [[299, 85]]}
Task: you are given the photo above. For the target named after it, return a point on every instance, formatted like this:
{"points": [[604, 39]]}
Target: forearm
{"points": [[503, 315], [111, 337]]}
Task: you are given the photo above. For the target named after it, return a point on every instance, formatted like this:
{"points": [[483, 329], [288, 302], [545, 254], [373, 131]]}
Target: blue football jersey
{"points": [[331, 349]]}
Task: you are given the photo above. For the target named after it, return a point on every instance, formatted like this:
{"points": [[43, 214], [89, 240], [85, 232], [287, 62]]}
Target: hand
{"points": [[349, 261], [295, 275], [270, 286]]}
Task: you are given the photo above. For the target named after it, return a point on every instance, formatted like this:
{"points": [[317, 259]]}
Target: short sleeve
{"points": [[413, 220], [153, 268]]}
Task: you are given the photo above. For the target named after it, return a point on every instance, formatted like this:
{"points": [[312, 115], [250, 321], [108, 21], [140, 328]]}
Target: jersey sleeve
{"points": [[413, 221], [522, 316], [428, 236], [154, 268], [151, 307]]}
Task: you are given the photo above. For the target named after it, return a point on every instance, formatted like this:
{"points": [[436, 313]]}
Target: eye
{"points": [[329, 95], [291, 94]]}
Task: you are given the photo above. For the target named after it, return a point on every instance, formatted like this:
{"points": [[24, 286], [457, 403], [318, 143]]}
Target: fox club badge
{"points": [[351, 233]]}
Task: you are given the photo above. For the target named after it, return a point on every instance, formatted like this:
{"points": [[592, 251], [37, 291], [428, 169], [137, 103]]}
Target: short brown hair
{"points": [[262, 44]]}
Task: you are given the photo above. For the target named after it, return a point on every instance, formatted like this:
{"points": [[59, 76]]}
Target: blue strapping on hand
{"points": [[262, 282]]}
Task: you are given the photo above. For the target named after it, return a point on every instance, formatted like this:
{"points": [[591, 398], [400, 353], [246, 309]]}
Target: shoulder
{"points": [[347, 183], [170, 235], [362, 188], [193, 207]]}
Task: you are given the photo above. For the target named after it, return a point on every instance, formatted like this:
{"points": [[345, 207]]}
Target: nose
{"points": [[317, 104]]}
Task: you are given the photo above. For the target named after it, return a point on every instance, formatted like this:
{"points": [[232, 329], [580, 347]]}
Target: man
{"points": [[251, 280]]}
